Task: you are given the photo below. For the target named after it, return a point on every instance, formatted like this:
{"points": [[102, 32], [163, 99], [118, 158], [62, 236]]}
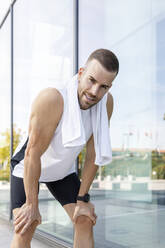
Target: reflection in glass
{"points": [[129, 193], [43, 52], [5, 118]]}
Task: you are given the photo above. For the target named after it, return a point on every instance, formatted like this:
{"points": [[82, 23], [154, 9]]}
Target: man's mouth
{"points": [[89, 98]]}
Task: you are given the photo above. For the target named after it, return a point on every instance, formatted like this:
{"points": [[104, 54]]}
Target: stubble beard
{"points": [[87, 106]]}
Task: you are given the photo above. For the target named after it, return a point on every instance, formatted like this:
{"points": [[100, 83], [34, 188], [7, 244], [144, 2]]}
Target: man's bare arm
{"points": [[90, 169], [46, 112], [89, 172], [45, 115]]}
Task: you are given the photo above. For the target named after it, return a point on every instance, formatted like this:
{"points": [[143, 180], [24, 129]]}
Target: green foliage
{"points": [[158, 165], [5, 151]]}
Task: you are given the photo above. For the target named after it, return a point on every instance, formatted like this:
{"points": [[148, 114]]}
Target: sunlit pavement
{"points": [[6, 233], [125, 219]]}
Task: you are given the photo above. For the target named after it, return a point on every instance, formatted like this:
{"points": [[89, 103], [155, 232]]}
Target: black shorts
{"points": [[65, 190]]}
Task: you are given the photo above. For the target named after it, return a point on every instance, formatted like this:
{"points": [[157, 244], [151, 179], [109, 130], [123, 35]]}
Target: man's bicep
{"points": [[39, 137], [45, 115]]}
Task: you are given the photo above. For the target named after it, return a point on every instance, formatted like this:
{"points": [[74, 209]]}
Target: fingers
{"points": [[19, 212], [20, 224], [92, 217], [87, 210], [95, 215], [39, 220], [17, 220], [26, 226], [93, 221], [18, 215]]}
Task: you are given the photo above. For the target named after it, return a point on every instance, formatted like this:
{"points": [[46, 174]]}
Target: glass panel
{"points": [[5, 118], [43, 58], [129, 193]]}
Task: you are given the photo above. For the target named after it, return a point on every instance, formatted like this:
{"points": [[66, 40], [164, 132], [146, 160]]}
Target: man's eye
{"points": [[92, 80], [105, 87]]}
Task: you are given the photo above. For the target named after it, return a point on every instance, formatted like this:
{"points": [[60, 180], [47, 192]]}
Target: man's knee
{"points": [[20, 241], [27, 236], [84, 220]]}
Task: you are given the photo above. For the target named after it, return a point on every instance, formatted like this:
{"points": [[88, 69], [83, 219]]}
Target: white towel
{"points": [[73, 133]]}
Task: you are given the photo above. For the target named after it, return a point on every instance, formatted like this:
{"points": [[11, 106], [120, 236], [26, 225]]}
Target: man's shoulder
{"points": [[50, 93], [49, 99]]}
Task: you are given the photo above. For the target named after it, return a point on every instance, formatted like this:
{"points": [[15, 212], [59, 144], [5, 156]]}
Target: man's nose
{"points": [[94, 90]]}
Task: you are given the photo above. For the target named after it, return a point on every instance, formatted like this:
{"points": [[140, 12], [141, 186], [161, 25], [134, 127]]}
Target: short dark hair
{"points": [[106, 58]]}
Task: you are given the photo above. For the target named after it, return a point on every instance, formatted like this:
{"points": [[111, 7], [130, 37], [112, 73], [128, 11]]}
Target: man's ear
{"points": [[80, 72]]}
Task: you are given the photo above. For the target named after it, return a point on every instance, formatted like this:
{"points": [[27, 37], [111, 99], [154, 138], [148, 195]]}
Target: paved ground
{"points": [[125, 220], [6, 232]]}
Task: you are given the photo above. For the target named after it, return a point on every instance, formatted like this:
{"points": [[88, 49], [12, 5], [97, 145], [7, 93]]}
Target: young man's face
{"points": [[94, 82]]}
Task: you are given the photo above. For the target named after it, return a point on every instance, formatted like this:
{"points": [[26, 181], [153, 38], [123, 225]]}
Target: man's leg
{"points": [[18, 198], [83, 229], [23, 241], [66, 191]]}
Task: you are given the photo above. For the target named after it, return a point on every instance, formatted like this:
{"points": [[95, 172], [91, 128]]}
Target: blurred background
{"points": [[42, 44]]}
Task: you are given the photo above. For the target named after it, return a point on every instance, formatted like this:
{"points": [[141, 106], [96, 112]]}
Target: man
{"points": [[51, 117]]}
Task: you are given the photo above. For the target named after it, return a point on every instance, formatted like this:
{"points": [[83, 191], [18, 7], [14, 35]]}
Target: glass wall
{"points": [[129, 192], [5, 118], [43, 57]]}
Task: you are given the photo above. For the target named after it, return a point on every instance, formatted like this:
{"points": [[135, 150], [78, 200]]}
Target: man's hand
{"points": [[85, 208], [25, 217]]}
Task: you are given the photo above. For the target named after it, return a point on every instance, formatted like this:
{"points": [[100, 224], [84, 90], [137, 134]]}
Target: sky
{"points": [[139, 99]]}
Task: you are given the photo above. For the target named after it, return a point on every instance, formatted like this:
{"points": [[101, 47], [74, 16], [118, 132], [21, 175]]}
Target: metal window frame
{"points": [[7, 13], [10, 11], [76, 47], [11, 97]]}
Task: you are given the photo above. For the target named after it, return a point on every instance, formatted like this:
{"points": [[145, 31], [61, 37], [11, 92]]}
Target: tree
{"points": [[5, 151]]}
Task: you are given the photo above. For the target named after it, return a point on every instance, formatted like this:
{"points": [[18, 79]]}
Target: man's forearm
{"points": [[32, 171], [88, 174]]}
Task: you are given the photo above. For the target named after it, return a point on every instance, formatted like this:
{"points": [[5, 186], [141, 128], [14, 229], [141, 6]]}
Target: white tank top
{"points": [[57, 161]]}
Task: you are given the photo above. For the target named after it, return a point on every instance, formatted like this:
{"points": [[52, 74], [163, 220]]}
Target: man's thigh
{"points": [[18, 196], [69, 208], [65, 190]]}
